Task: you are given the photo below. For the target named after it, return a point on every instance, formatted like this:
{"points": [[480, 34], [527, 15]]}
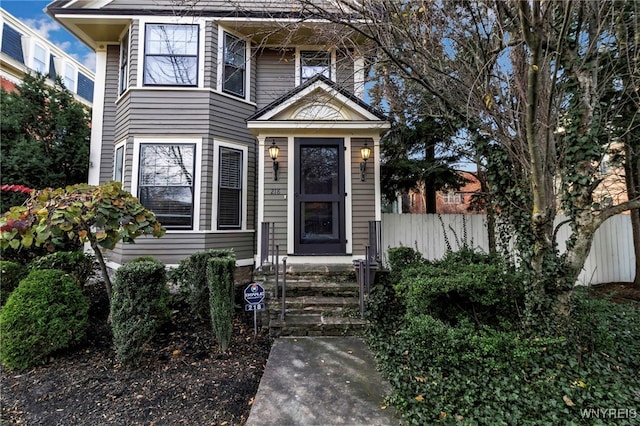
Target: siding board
{"points": [[275, 74]]}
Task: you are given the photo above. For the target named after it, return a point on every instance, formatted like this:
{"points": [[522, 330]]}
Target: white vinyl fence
{"points": [[611, 258]]}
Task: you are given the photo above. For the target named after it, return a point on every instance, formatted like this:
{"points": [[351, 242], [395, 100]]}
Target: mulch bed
{"points": [[182, 380], [618, 292]]}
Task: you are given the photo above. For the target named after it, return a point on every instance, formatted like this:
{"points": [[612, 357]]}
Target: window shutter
{"points": [[230, 188]]}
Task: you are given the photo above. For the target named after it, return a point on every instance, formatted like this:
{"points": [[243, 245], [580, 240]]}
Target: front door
{"points": [[319, 196]]}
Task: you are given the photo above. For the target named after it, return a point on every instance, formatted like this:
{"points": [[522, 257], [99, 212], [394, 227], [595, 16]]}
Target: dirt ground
{"points": [[619, 292], [182, 381]]}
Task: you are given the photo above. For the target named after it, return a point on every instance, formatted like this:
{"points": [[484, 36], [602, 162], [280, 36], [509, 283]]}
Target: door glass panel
{"points": [[320, 222], [319, 170]]}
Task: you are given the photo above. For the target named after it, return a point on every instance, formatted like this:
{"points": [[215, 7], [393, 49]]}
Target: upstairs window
{"points": [[452, 197], [171, 55], [314, 62], [234, 52], [118, 167], [39, 59], [230, 188], [165, 184], [124, 63], [70, 77]]}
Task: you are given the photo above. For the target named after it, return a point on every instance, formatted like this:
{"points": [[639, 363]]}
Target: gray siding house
{"points": [[192, 104]]}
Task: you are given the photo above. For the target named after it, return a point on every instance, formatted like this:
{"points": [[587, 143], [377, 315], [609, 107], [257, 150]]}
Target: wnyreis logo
{"points": [[608, 413]]}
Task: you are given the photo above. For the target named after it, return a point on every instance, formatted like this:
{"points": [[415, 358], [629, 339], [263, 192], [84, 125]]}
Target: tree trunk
{"points": [[632, 177], [103, 266]]}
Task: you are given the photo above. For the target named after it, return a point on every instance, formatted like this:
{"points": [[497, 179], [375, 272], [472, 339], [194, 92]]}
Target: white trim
{"points": [[261, 197], [97, 114], [346, 259], [291, 177], [135, 169], [376, 178], [168, 20], [316, 124], [348, 201], [245, 181], [220, 64], [239, 262], [32, 56]]}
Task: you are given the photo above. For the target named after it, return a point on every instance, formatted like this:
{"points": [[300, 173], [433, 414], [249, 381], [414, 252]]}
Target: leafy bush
{"points": [[138, 308], [191, 278], [12, 273], [45, 313], [220, 273], [78, 264], [484, 293], [458, 356]]}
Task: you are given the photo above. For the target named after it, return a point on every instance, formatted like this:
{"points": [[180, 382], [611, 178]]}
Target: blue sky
{"points": [[31, 13]]}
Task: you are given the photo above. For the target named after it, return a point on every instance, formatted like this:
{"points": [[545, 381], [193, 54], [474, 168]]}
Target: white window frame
{"points": [[123, 69], [47, 57], [123, 146], [220, 65], [332, 55], [142, 25], [452, 198], [245, 181], [138, 141], [67, 67]]}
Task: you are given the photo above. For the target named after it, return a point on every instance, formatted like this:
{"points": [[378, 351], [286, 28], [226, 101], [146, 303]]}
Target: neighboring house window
{"points": [[39, 58], [452, 197], [171, 55], [313, 62], [230, 188], [165, 184], [70, 78], [234, 52], [124, 63], [118, 169]]}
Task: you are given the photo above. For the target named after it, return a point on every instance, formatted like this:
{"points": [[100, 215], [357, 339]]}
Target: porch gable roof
{"points": [[318, 100]]}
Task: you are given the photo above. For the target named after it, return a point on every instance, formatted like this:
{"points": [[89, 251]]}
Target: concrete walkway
{"points": [[321, 381]]}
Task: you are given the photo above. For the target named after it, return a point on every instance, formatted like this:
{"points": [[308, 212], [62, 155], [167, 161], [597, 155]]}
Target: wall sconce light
{"points": [[365, 153], [273, 153]]}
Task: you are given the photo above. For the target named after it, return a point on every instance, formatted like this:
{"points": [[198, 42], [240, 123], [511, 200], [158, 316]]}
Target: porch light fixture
{"points": [[365, 153], [273, 153]]}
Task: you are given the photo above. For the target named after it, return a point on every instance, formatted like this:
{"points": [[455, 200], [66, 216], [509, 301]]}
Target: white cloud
{"points": [[89, 61], [43, 26]]}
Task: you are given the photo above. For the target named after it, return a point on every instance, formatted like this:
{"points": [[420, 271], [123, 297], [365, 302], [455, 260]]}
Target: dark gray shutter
{"points": [[230, 188]]}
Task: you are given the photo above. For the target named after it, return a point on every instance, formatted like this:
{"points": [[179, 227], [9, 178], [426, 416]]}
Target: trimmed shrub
{"points": [[191, 278], [45, 313], [453, 289], [79, 265], [220, 273], [12, 273], [138, 308]]}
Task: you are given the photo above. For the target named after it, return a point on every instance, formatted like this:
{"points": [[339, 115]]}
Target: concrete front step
{"points": [[316, 325], [316, 304]]}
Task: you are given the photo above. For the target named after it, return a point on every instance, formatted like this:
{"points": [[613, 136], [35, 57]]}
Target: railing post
{"points": [[284, 287], [277, 254], [361, 287], [367, 269]]}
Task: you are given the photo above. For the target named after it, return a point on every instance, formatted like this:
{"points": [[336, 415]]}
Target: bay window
{"points": [[234, 53], [166, 182], [171, 55]]}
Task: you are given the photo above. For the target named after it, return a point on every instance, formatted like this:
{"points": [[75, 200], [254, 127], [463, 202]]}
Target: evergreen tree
{"points": [[45, 138]]}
